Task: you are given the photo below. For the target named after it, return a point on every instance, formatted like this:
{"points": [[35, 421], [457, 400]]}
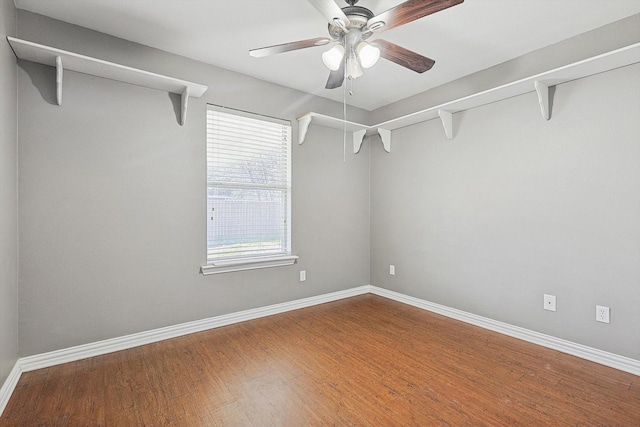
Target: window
{"points": [[248, 191]]}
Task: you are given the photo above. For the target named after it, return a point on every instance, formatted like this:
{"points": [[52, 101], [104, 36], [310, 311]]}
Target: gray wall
{"points": [[514, 207], [8, 195], [112, 198]]}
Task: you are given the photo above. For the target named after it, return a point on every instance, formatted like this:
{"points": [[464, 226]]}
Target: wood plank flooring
{"points": [[362, 361]]}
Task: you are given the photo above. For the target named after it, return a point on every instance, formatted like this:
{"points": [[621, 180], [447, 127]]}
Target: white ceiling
{"points": [[463, 39]]}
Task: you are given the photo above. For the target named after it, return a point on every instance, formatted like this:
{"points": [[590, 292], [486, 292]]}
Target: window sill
{"points": [[229, 266]]}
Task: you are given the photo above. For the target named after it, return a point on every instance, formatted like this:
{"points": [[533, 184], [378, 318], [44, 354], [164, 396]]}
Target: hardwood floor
{"points": [[364, 361]]}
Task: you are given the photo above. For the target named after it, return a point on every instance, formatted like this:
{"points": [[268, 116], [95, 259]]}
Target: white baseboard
{"points": [[99, 348], [599, 356], [9, 385]]}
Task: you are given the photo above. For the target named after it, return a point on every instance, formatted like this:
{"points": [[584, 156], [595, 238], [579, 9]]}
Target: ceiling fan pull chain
{"points": [[344, 114]]}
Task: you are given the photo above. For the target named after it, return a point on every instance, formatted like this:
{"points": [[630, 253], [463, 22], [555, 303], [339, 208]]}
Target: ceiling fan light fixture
{"points": [[367, 54], [333, 57]]}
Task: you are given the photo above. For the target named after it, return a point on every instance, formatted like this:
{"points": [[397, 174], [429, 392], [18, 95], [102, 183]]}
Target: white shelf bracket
{"points": [[303, 127], [543, 98], [447, 122], [185, 104], [59, 72], [385, 136], [358, 138]]}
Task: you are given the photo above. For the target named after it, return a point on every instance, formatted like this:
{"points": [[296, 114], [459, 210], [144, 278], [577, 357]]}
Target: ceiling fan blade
{"points": [[408, 11], [331, 12], [336, 78], [404, 57], [286, 47]]}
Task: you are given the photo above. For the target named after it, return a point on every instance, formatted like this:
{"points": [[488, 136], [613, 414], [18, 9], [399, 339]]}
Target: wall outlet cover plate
{"points": [[550, 302], [602, 314]]}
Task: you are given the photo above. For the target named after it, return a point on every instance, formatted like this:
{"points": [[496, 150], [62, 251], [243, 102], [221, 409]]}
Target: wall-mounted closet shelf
{"points": [[61, 60], [539, 83]]}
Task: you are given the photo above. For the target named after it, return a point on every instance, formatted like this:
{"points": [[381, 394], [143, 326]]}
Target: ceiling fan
{"points": [[351, 26]]}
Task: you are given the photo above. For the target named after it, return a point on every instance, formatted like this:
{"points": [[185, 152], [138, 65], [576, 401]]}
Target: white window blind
{"points": [[248, 185]]}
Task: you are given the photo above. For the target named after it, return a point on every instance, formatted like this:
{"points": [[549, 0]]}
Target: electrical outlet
{"points": [[602, 314], [303, 275], [392, 270], [550, 302]]}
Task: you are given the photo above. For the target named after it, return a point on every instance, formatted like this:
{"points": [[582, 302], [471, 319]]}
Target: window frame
{"points": [[241, 263]]}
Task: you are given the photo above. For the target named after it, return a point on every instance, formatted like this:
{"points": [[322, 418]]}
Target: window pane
{"points": [[246, 151], [245, 222]]}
